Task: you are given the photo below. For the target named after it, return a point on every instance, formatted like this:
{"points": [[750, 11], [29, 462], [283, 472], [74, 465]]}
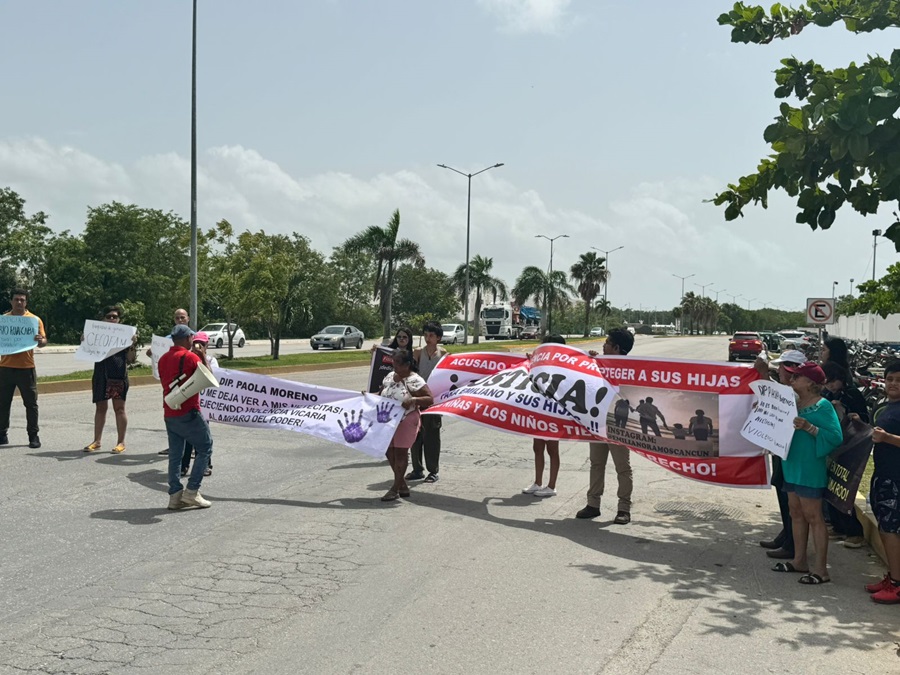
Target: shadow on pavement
{"points": [[134, 516], [359, 465], [62, 456]]}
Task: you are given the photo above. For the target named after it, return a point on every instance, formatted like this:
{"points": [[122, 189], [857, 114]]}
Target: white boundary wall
{"points": [[868, 327]]}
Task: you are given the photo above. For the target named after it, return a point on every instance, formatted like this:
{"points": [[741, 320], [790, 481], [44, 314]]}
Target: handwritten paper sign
{"points": [[158, 347], [17, 333], [770, 424], [102, 339]]}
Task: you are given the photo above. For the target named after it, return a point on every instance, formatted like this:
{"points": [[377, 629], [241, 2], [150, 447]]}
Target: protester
{"points": [[847, 400], [538, 445], [181, 319], [17, 372], [884, 494], [410, 389], [186, 424], [110, 383], [428, 440], [817, 433], [403, 339], [782, 546], [199, 344], [618, 343], [834, 350]]}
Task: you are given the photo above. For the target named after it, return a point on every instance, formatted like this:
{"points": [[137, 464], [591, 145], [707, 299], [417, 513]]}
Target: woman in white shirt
{"points": [[410, 389]]}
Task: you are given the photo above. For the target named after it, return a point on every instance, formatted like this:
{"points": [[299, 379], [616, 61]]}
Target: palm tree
{"points": [[535, 283], [603, 308], [689, 307], [589, 273], [382, 243], [481, 280]]}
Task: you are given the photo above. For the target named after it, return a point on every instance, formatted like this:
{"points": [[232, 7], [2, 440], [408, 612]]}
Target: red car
{"points": [[745, 345]]}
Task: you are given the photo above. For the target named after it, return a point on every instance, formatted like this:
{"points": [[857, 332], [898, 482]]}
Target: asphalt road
{"points": [[299, 568]]}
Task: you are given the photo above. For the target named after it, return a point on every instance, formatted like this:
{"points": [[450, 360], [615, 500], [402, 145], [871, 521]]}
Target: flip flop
{"points": [[390, 495], [120, 448], [93, 446], [788, 567], [813, 579]]}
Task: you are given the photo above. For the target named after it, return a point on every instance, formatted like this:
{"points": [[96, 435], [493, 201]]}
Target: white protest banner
{"points": [[17, 333], [770, 424], [158, 347], [102, 339], [365, 423]]}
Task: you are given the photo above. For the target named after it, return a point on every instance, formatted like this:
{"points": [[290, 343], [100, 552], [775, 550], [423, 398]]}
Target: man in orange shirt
{"points": [[17, 372]]}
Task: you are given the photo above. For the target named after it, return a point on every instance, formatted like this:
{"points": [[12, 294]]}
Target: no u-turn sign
{"points": [[819, 311]]}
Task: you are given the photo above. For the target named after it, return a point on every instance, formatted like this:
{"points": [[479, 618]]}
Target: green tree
{"points": [[690, 306], [841, 143], [388, 251], [590, 274], [481, 281], [881, 296], [545, 288], [423, 294], [23, 239]]}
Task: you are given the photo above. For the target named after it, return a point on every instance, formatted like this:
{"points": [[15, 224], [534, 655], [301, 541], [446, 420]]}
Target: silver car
{"points": [[338, 337], [453, 333]]}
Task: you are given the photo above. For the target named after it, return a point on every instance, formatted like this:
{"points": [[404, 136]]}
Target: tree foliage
{"points": [[482, 282], [547, 288], [423, 294], [589, 274], [839, 143]]}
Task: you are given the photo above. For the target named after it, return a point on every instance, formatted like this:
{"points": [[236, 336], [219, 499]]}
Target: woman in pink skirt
{"points": [[410, 389]]}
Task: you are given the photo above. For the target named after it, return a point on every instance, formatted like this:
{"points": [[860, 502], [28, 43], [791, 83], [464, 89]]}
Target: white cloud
{"points": [[665, 226], [530, 16]]}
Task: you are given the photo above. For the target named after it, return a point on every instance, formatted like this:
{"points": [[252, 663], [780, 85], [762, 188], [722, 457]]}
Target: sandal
{"points": [[390, 495], [788, 567], [404, 494], [120, 448], [813, 579], [93, 446]]}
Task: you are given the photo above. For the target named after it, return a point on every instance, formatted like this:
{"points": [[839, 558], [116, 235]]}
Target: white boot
{"points": [[194, 498], [175, 502]]}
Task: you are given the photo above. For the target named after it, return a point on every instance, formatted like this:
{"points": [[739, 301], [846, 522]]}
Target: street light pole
{"points": [[851, 288], [833, 289], [468, 231], [717, 294], [875, 235], [749, 300], [549, 290], [702, 288], [606, 258], [193, 280]]}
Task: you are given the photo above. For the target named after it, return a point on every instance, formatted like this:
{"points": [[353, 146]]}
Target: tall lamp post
{"points": [[194, 170], [875, 235], [468, 231], [703, 288], [749, 300], [549, 278], [717, 291], [677, 276], [606, 257], [851, 288], [833, 290]]}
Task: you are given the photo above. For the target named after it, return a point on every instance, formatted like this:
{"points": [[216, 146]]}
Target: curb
{"points": [[69, 386]]}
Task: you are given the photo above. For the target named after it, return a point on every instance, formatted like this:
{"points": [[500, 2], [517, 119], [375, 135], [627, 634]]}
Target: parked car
{"points": [[772, 340], [338, 337], [453, 333], [529, 332], [597, 332], [745, 345], [795, 339], [218, 334]]}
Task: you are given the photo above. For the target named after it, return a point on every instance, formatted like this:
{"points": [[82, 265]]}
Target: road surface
{"points": [[299, 568]]}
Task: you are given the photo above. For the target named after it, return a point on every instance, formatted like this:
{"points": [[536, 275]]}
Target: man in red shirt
{"points": [[185, 424]]}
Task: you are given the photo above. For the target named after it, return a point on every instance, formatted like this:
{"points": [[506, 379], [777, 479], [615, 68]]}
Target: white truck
{"points": [[506, 321]]}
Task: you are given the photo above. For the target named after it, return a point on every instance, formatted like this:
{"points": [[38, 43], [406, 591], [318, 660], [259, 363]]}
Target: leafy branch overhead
{"points": [[837, 141]]}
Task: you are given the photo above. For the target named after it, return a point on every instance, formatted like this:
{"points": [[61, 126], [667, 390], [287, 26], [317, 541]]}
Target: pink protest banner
{"points": [[563, 393]]}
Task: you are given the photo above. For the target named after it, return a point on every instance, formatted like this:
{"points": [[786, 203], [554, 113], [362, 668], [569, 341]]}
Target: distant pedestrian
{"points": [[110, 383], [185, 424], [17, 372], [539, 445]]}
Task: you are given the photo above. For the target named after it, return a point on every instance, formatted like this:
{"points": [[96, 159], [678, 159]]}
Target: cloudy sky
{"points": [[614, 119]]}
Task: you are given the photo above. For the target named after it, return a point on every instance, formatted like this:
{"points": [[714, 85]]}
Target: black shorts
{"points": [[885, 500]]}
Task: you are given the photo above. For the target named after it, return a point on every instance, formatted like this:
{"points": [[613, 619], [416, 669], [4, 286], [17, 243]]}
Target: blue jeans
{"points": [[190, 428]]}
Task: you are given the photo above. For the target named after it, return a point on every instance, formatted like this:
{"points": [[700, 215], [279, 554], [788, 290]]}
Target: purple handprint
{"points": [[383, 413], [353, 430]]}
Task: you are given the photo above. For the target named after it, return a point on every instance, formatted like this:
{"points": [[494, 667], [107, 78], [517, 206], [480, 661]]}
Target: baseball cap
{"points": [[790, 356], [201, 337], [180, 332], [808, 369]]}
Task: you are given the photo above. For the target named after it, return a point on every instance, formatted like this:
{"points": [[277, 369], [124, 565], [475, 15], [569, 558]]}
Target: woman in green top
{"points": [[817, 434]]}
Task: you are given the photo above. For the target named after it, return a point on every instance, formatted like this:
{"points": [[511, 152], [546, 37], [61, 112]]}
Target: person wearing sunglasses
{"points": [[110, 383]]}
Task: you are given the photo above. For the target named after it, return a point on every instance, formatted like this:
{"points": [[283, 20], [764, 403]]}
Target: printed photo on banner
{"points": [[102, 339], [365, 423], [158, 347], [17, 333], [666, 421], [770, 424], [382, 364]]}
